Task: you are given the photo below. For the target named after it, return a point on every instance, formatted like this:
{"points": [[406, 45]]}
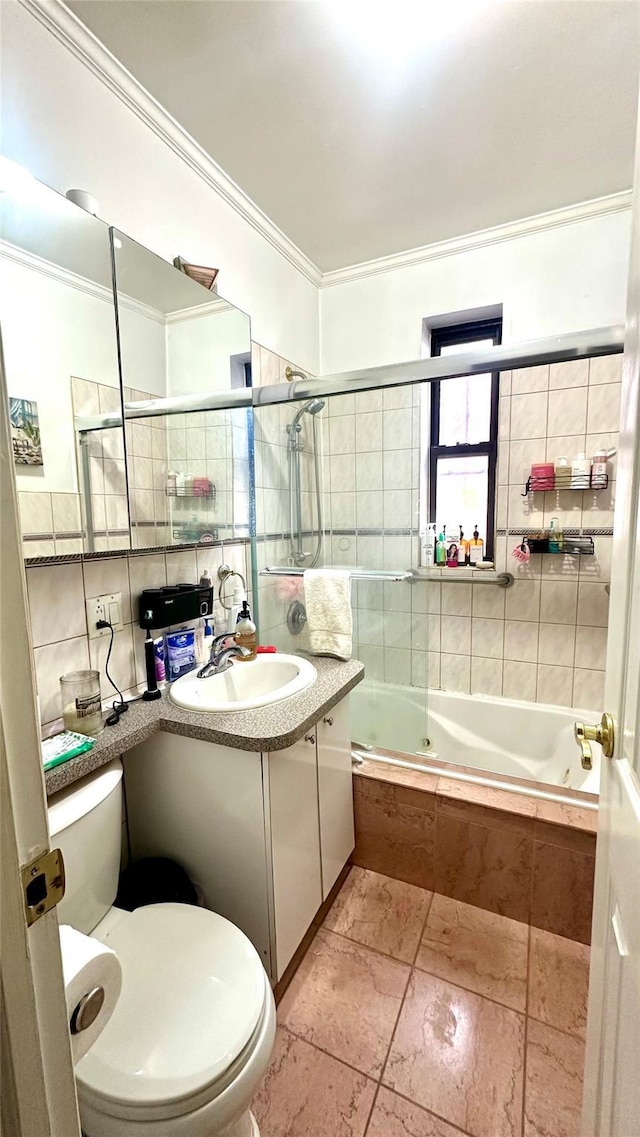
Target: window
{"points": [[463, 438]]}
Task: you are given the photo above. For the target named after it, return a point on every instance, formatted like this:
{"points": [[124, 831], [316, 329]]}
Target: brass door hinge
{"points": [[42, 884]]}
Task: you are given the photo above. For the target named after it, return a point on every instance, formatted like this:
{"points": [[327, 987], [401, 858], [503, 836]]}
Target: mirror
{"points": [[184, 352], [59, 342]]}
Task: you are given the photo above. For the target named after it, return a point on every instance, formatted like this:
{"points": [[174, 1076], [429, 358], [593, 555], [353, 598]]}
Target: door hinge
{"points": [[43, 884]]}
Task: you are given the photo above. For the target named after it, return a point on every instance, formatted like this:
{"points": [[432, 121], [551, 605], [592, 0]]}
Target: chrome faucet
{"points": [[220, 660]]}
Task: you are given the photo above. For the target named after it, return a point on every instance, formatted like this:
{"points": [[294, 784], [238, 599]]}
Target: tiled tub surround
{"points": [[57, 603], [519, 856], [542, 639], [416, 1015]]}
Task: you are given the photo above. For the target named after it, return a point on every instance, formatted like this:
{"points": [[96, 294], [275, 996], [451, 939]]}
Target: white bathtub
{"points": [[501, 739]]}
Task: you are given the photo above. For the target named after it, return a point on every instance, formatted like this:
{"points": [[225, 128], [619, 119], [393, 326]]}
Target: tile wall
{"points": [[544, 638], [57, 602]]}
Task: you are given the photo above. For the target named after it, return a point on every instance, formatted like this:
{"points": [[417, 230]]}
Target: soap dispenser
{"points": [[245, 634]]}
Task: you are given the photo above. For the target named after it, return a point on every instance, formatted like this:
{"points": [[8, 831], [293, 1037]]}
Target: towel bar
{"points": [[357, 574]]}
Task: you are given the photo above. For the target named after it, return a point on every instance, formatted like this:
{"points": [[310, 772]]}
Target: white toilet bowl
{"points": [[192, 1032]]}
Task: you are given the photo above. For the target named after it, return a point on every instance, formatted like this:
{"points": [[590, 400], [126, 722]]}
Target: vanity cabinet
{"points": [[263, 836]]}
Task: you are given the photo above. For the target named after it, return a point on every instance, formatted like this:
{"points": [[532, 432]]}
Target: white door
{"points": [[612, 1076], [335, 793], [38, 1089], [295, 844]]}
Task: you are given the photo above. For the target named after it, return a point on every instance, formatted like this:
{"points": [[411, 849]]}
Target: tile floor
{"points": [[413, 1015]]}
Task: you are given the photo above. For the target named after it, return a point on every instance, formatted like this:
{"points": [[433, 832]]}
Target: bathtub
{"points": [[504, 743]]}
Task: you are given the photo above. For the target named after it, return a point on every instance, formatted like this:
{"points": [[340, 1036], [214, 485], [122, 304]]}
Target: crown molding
{"points": [[482, 238], [65, 26], [213, 308], [80, 283], [87, 48]]}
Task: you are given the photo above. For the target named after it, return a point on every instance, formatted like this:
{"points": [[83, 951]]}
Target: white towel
{"points": [[327, 595]]}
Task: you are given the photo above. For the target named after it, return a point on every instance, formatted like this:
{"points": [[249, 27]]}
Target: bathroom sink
{"points": [[243, 686]]}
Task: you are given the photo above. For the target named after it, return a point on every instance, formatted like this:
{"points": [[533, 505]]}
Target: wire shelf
{"points": [[565, 546], [568, 481]]}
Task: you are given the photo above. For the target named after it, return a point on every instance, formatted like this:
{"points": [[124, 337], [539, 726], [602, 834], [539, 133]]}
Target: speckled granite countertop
{"points": [[267, 728]]}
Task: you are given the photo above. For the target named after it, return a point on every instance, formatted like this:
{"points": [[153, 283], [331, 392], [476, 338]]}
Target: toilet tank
{"points": [[85, 821]]}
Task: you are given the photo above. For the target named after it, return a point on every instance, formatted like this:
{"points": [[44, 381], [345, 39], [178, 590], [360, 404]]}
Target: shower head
{"points": [[313, 407]]}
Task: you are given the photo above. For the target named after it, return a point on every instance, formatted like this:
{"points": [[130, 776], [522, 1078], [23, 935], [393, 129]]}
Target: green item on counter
{"points": [[61, 747]]}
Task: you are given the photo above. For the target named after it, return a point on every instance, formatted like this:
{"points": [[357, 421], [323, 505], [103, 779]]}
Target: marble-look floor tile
{"points": [[559, 982], [479, 950], [306, 1093], [381, 913], [394, 1117], [553, 1091], [460, 1056], [346, 999]]}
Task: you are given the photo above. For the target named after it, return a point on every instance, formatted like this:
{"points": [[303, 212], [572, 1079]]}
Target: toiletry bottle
{"points": [[171, 483], [239, 599], [428, 548], [441, 549], [580, 471], [463, 549], [245, 634], [555, 536], [562, 473], [452, 555], [476, 547], [205, 579], [200, 648], [599, 470]]}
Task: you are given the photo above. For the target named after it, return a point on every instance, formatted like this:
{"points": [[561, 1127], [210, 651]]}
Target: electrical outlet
{"points": [[104, 608]]}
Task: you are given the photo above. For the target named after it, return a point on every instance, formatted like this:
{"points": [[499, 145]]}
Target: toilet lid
{"points": [[193, 990]]}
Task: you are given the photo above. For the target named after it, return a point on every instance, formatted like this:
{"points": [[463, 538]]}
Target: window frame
{"points": [[448, 336]]}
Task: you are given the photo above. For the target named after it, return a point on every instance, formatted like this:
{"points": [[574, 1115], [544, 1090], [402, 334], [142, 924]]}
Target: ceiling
{"points": [[367, 127]]}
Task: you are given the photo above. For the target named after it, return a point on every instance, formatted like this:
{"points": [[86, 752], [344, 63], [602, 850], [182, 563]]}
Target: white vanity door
{"points": [[203, 806], [295, 844], [335, 793]]}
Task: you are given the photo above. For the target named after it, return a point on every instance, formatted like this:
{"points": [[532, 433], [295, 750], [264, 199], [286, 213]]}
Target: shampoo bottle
{"points": [[239, 599], [476, 548], [441, 549]]}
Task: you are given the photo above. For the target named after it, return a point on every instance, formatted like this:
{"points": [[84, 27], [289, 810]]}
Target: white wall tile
{"points": [[456, 599], [558, 600], [103, 577], [593, 604], [486, 676], [397, 629], [373, 659], [588, 690], [36, 515], [605, 369], [397, 429], [527, 379], [489, 600], [529, 416], [397, 665], [523, 600], [369, 472], [555, 685], [573, 373], [556, 644], [121, 664], [603, 413], [567, 412], [487, 637], [519, 680], [51, 662], [591, 648], [181, 567], [368, 431], [455, 632], [520, 641], [455, 673], [56, 603], [66, 512], [397, 465]]}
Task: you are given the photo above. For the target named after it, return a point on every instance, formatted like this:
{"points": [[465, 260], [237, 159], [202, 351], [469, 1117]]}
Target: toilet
{"points": [[192, 1032]]}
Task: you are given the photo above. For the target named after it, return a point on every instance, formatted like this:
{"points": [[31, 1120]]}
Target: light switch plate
{"points": [[104, 608]]}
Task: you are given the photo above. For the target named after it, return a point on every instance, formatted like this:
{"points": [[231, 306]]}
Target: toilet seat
{"points": [[194, 995]]}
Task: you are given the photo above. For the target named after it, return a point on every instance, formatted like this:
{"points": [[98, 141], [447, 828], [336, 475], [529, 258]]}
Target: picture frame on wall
{"points": [[25, 432]]}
